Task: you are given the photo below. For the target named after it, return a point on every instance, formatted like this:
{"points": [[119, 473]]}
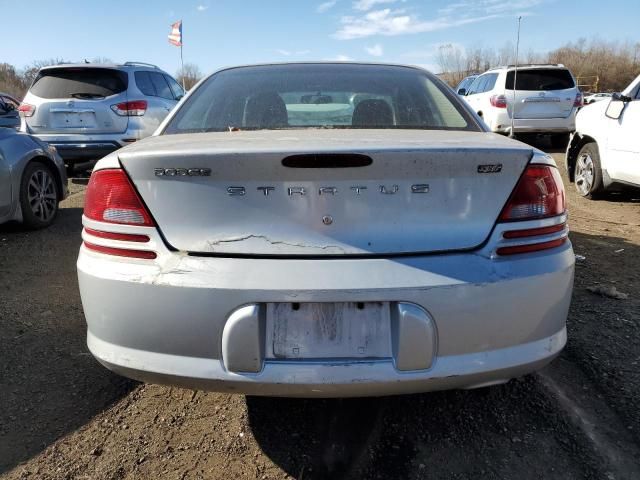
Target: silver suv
{"points": [[89, 110]]}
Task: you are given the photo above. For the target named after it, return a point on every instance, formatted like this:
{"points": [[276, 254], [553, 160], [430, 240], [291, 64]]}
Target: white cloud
{"points": [[323, 7], [339, 58], [389, 22], [364, 5], [202, 8], [397, 22], [289, 53], [375, 50]]}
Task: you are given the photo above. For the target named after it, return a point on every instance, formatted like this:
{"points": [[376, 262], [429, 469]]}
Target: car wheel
{"points": [[587, 173], [38, 196], [560, 140]]}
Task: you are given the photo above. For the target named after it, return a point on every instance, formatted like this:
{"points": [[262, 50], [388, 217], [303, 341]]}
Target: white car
{"points": [[325, 230], [546, 100], [596, 97], [604, 152]]}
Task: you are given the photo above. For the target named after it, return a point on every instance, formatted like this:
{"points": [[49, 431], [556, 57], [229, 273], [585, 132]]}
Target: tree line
{"points": [[598, 65], [16, 81]]}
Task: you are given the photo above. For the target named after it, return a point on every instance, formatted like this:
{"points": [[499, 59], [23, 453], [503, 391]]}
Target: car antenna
{"points": [[515, 77]]}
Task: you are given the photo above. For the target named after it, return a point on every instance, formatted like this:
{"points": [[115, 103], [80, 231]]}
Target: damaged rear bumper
{"points": [[490, 319], [335, 379]]}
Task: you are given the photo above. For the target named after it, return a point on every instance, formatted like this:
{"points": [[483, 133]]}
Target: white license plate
{"points": [[328, 330]]}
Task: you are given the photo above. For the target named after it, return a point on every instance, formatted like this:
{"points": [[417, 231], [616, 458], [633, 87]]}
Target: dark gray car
{"points": [[32, 179], [9, 111]]}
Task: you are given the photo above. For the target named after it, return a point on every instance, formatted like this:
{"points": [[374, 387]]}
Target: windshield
{"points": [[320, 96]]}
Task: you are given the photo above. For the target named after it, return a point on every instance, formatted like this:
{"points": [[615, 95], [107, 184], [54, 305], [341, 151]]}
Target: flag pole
{"points": [[515, 77], [182, 67]]}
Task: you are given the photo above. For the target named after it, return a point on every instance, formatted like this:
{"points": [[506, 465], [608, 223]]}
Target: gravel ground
{"points": [[62, 416]]}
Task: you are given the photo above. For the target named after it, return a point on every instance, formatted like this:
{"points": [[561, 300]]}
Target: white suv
{"points": [[546, 100]]}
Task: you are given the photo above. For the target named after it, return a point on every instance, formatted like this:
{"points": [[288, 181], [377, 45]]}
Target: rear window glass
{"points": [[320, 96], [541, 79], [79, 83]]}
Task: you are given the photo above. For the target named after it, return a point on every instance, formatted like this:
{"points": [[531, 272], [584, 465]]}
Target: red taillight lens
{"points": [[498, 101], [111, 198], [578, 101], [533, 232], [133, 108], [26, 110], [124, 237], [531, 247], [538, 194], [121, 252]]}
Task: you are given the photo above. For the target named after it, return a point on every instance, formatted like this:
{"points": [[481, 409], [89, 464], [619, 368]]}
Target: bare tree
{"points": [[191, 74], [30, 71]]}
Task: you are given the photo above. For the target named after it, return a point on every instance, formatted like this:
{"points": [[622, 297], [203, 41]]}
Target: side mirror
{"points": [[616, 106], [462, 92]]}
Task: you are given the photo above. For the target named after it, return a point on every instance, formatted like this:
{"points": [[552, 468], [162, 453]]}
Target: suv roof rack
{"points": [[143, 64], [513, 65]]}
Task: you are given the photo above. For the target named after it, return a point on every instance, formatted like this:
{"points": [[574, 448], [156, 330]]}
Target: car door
{"points": [[474, 95], [623, 147], [6, 193], [9, 112]]}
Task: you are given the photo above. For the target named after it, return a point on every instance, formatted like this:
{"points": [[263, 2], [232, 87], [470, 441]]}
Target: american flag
{"points": [[175, 37]]}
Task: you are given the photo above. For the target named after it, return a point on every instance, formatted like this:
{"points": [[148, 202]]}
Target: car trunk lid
{"points": [[323, 192]]}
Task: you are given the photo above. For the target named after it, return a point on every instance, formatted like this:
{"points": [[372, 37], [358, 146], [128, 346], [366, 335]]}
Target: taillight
{"points": [[124, 237], [26, 110], [121, 252], [498, 101], [111, 198], [578, 101], [133, 108], [538, 194]]}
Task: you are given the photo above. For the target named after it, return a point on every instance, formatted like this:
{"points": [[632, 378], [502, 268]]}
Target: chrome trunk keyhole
{"points": [[327, 220]]}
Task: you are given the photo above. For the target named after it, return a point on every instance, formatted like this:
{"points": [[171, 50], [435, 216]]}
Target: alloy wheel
{"points": [[41, 194], [585, 174]]}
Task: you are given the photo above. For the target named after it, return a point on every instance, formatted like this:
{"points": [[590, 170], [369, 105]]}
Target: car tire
{"points": [[560, 140], [587, 172], [38, 196]]}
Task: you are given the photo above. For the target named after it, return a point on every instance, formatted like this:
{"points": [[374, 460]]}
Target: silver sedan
{"points": [[32, 180], [325, 230]]}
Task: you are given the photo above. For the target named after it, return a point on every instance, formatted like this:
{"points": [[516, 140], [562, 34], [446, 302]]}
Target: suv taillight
{"points": [[538, 194], [498, 101], [26, 110], [111, 198], [133, 108], [578, 101]]}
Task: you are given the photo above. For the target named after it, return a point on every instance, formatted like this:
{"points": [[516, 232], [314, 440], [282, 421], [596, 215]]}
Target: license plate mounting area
{"points": [[343, 330]]}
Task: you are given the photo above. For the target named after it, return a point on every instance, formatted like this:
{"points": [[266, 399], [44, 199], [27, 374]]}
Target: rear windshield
{"points": [[79, 83], [320, 96], [541, 79]]}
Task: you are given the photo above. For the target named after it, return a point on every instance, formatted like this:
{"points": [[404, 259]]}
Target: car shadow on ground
{"points": [[50, 385], [496, 432]]}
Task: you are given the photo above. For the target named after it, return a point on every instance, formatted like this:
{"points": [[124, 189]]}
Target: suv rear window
{"points": [[541, 79], [79, 83]]}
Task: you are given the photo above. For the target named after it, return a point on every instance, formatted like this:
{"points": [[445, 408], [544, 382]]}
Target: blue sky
{"points": [[230, 32]]}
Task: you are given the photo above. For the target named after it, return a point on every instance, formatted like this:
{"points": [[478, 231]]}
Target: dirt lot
{"points": [[64, 416]]}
